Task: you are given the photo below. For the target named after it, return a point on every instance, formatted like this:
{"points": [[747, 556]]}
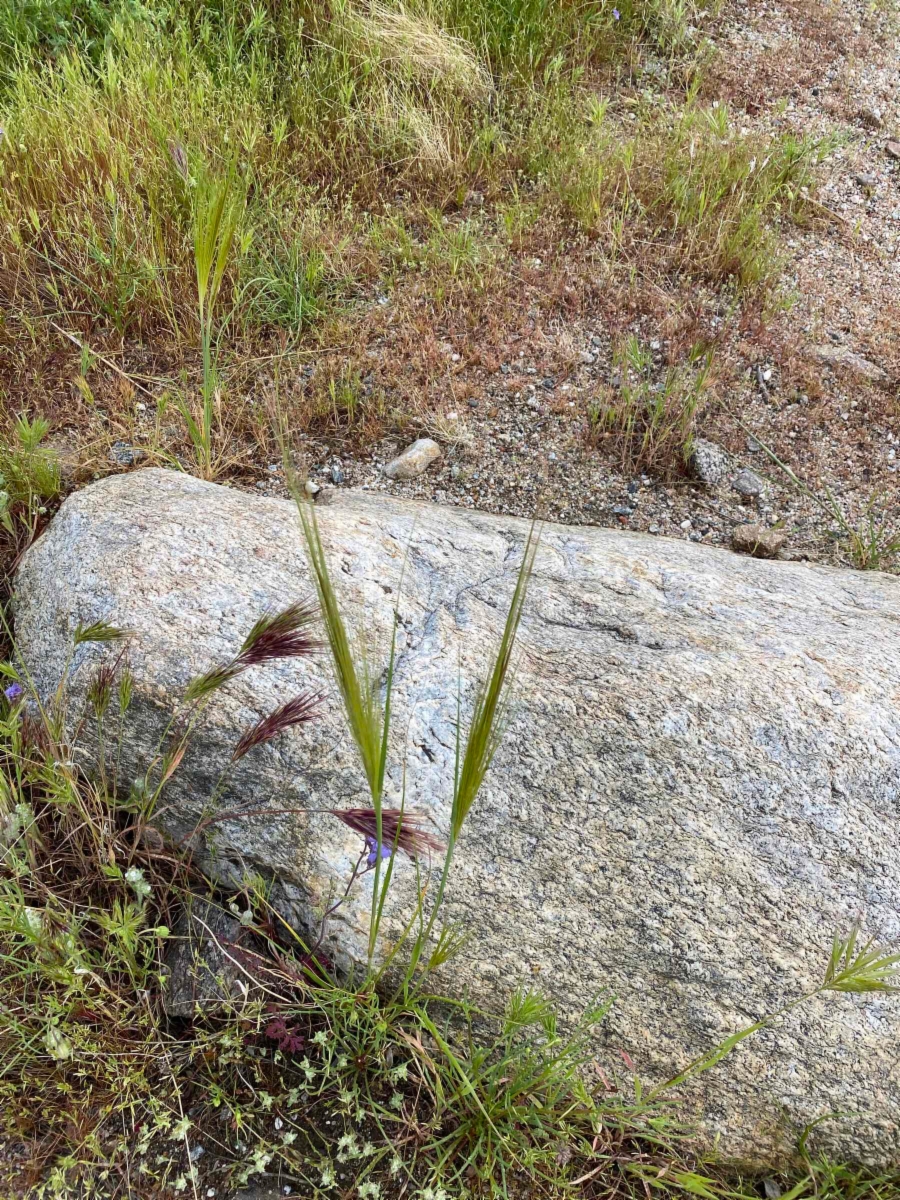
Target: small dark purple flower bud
{"points": [[13, 692]]}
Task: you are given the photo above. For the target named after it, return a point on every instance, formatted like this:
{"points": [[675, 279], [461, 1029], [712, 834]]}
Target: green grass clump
{"points": [[32, 31], [354, 136], [651, 417], [690, 179], [29, 474], [335, 104]]}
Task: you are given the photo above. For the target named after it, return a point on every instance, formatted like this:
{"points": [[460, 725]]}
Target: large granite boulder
{"points": [[699, 783]]}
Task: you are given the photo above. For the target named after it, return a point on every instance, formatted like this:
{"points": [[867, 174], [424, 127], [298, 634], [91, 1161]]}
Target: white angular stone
{"points": [[700, 781]]}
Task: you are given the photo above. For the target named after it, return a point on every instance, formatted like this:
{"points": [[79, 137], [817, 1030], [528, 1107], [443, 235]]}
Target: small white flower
{"points": [[134, 877], [261, 1160], [347, 1148], [180, 1128], [34, 920], [24, 815]]}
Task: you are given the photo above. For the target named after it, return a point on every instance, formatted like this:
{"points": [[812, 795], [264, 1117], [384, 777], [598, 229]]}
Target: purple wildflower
{"points": [[13, 692], [372, 847], [616, 14]]}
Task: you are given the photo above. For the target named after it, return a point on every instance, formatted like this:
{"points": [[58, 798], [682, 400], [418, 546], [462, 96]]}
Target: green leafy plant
{"points": [[29, 473]]}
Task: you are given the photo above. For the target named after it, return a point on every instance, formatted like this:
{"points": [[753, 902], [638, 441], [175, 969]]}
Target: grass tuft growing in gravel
{"points": [[694, 181], [652, 424]]}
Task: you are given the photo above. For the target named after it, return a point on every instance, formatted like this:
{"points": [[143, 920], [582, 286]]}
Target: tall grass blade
{"points": [[485, 733], [361, 706], [488, 719]]}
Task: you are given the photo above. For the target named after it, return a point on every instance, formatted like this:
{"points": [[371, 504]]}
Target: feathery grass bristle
{"points": [[867, 968], [281, 635], [100, 688], [100, 631], [275, 635], [211, 681], [296, 711]]}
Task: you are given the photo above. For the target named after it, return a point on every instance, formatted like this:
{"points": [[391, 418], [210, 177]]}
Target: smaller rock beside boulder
{"points": [[124, 455], [871, 118], [708, 463], [758, 540], [414, 460]]}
